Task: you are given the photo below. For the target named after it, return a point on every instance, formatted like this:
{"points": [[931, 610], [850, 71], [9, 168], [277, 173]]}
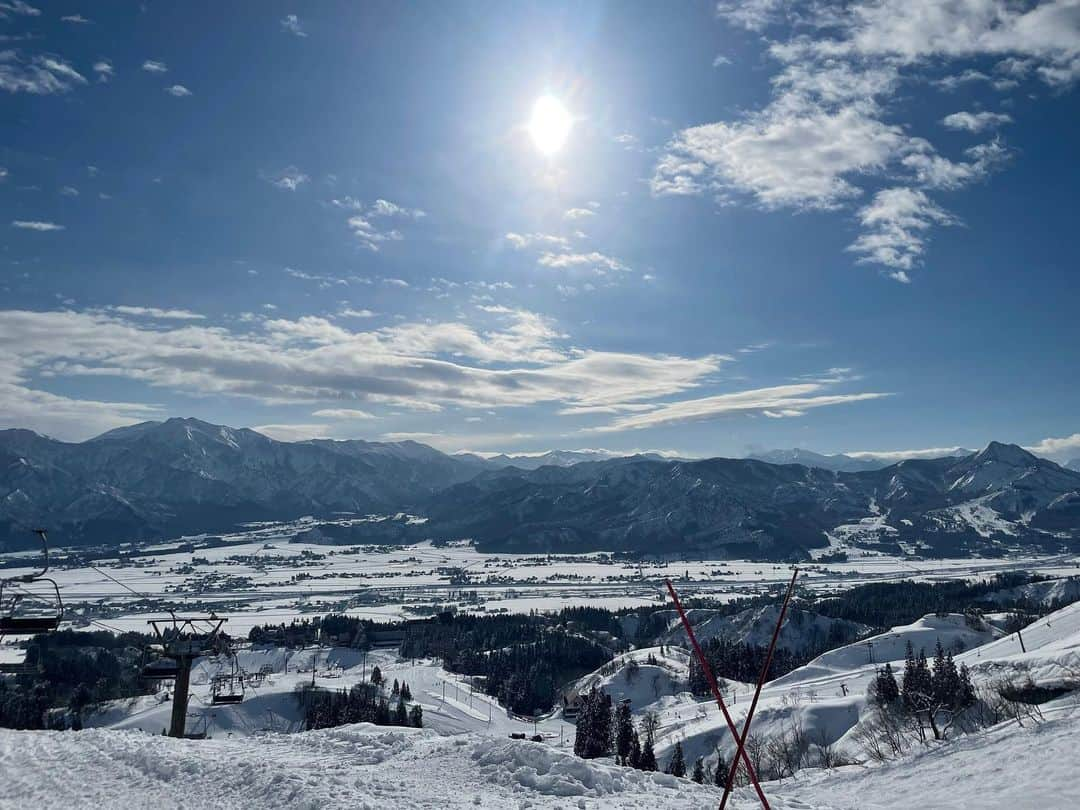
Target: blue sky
{"points": [[841, 227]]}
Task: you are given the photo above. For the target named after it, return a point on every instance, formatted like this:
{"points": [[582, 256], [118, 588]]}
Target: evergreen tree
{"points": [[406, 692], [886, 691], [647, 760], [966, 696], [396, 689], [699, 771], [624, 733], [720, 775], [401, 714], [416, 716], [677, 763], [594, 734], [376, 676], [634, 760]]}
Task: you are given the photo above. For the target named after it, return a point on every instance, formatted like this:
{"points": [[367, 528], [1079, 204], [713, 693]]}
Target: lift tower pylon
{"points": [[184, 640]]}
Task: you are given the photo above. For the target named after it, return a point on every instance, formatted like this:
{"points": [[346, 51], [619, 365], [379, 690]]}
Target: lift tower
{"points": [[184, 640]]}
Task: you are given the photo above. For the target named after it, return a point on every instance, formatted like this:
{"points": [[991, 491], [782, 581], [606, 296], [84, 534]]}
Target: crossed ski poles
{"points": [[740, 739]]}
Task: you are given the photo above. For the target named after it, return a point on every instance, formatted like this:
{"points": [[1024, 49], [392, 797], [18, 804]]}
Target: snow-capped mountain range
{"points": [[162, 479]]}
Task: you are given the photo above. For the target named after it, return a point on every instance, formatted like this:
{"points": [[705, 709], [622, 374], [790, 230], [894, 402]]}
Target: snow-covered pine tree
{"points": [[699, 771]]}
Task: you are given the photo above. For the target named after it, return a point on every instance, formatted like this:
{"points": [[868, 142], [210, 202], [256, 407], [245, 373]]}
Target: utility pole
{"points": [[1020, 638]]}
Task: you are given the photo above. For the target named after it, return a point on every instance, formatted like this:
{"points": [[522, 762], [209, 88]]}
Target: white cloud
{"points": [[826, 134], [3, 174], [753, 15], [153, 66], [896, 222], [77, 19], [343, 413], [19, 8], [579, 213], [324, 282], [720, 60], [385, 208], [523, 240], [420, 365], [1063, 449], [349, 312], [178, 90], [291, 25], [162, 314], [69, 191], [294, 432], [290, 178], [778, 401], [901, 455], [36, 225], [364, 227], [598, 261], [104, 69], [976, 122], [41, 75], [791, 154]]}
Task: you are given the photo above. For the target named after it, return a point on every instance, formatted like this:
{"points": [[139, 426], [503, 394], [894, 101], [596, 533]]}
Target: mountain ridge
{"points": [[162, 479]]}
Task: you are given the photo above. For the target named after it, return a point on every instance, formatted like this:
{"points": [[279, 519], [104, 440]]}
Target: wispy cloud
{"points": [[976, 122], [523, 240], [776, 402], [77, 19], [343, 413], [523, 361], [155, 312], [19, 8], [595, 260], [365, 222], [291, 24], [178, 90], [104, 70], [290, 178], [40, 75], [36, 225], [579, 213], [153, 66], [896, 223]]}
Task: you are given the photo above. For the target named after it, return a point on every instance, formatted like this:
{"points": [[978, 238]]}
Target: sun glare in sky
{"points": [[550, 124]]}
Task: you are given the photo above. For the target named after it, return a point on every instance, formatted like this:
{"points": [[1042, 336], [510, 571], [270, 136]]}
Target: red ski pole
{"points": [[715, 688], [757, 692]]}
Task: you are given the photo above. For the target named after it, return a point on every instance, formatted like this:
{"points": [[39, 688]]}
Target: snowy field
{"points": [[263, 575]]}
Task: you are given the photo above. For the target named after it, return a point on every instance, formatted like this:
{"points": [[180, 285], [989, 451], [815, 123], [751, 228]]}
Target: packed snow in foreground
{"points": [[365, 766]]}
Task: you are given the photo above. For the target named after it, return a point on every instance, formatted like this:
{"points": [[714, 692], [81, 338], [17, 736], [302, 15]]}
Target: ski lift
{"points": [[29, 612], [228, 690], [159, 669]]}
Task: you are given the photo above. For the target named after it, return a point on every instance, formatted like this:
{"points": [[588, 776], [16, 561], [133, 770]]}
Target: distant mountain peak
{"points": [[1010, 454]]}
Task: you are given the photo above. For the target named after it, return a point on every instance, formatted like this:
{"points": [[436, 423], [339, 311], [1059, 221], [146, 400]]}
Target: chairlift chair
{"points": [[46, 610], [160, 669]]}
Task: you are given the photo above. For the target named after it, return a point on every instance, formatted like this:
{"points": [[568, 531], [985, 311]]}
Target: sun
{"points": [[550, 124]]}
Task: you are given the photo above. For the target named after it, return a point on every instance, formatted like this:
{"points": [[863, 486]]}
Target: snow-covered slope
{"points": [[802, 630], [375, 768]]}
